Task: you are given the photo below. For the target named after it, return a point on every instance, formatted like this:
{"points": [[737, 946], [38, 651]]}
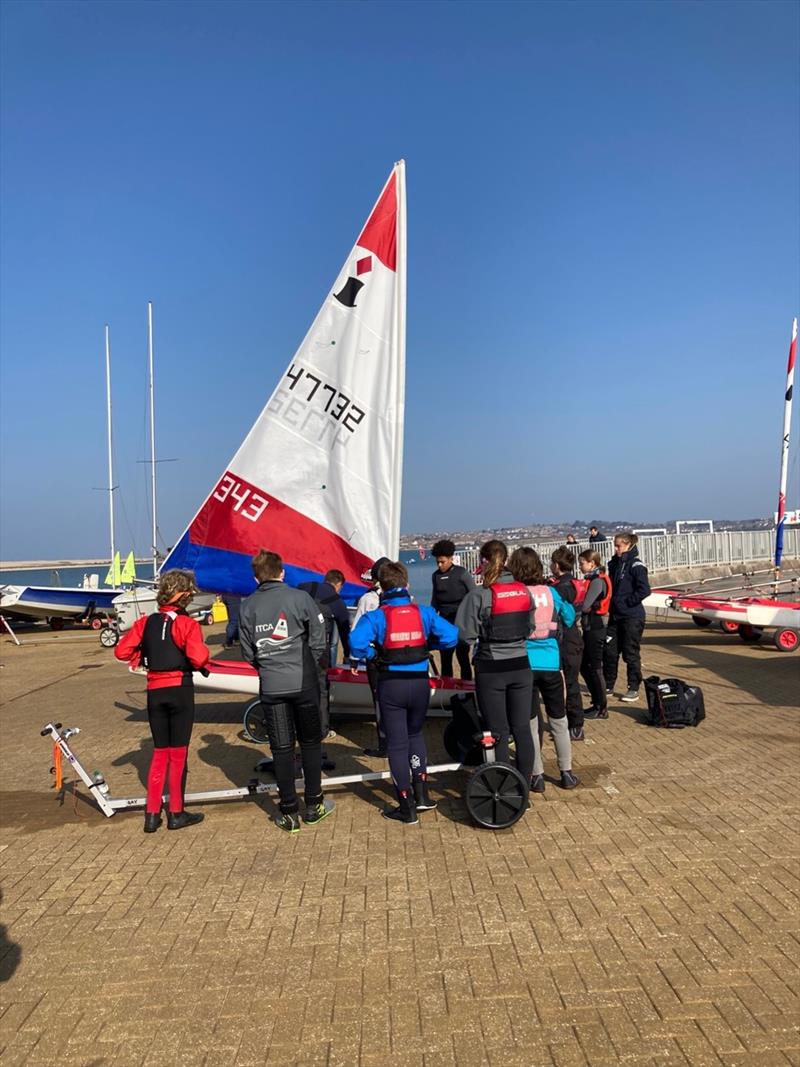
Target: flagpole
{"points": [[399, 348], [110, 460], [152, 433], [787, 425]]}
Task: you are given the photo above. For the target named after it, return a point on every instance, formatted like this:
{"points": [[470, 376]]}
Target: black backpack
{"points": [[672, 703]]}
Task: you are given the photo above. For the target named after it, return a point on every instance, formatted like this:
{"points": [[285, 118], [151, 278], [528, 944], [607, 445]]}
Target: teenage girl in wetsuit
{"points": [[594, 620], [498, 615], [170, 644]]}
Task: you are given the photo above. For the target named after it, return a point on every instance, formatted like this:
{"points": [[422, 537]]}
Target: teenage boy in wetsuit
{"points": [[170, 645], [282, 633], [451, 583], [398, 636]]}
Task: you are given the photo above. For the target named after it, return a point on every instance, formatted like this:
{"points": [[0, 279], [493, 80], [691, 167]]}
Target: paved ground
{"points": [[650, 917]]}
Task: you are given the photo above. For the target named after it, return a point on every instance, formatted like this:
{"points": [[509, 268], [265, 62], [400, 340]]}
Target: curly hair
{"points": [[176, 586]]}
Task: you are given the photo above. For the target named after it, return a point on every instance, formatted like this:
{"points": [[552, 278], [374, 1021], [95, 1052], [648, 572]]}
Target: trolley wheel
{"points": [[209, 619], [701, 621], [109, 636], [255, 729], [56, 624], [496, 795], [786, 640], [750, 634], [96, 622], [460, 747], [728, 626]]}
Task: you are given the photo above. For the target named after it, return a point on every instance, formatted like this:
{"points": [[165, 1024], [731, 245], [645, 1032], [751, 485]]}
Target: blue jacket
{"points": [[368, 634], [629, 585], [545, 654]]}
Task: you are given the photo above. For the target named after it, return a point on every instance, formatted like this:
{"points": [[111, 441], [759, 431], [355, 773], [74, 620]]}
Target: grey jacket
{"points": [[472, 616], [282, 633]]}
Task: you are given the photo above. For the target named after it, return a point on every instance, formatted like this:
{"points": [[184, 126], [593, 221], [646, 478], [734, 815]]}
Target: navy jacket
{"points": [[629, 585], [333, 609]]}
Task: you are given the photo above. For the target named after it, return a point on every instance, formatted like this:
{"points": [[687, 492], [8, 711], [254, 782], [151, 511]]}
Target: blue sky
{"points": [[603, 247]]}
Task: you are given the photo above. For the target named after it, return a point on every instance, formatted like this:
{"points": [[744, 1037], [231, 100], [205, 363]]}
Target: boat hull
{"points": [[56, 602], [348, 690], [747, 611]]}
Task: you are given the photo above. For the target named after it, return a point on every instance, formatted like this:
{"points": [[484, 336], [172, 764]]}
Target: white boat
{"points": [[57, 602]]}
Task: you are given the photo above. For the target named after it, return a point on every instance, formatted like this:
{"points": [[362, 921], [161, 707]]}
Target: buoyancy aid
{"points": [[581, 589], [159, 651], [510, 613], [545, 618], [405, 641], [601, 606]]}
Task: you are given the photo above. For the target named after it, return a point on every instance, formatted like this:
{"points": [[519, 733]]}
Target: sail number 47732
{"points": [[247, 502]]}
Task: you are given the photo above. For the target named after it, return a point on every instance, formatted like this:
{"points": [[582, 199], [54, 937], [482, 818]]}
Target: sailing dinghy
{"points": [[318, 477]]}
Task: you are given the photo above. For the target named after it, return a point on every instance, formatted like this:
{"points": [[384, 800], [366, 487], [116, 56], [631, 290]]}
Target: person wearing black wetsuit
{"points": [[334, 612], [594, 620], [451, 583], [626, 621], [562, 565]]}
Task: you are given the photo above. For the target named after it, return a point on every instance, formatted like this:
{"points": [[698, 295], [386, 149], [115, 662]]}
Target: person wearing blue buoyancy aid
{"points": [[544, 656], [398, 636]]}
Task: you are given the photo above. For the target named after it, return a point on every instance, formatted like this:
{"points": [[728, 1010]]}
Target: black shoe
{"points": [[318, 809], [328, 765], [406, 810], [376, 753], [569, 780], [576, 733], [176, 820], [152, 821], [596, 713], [422, 797], [537, 783]]}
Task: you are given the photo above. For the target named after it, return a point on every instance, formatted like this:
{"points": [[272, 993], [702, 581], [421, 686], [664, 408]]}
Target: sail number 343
{"points": [[246, 501]]}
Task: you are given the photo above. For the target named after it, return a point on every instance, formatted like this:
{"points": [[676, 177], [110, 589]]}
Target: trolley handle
{"points": [[50, 726]]}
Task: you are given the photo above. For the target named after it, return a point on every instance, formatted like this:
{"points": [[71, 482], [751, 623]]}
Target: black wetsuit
{"points": [[449, 589]]}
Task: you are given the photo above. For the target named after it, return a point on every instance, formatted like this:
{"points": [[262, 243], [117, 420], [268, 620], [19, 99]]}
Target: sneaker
{"points": [[596, 713], [537, 783], [177, 820], [318, 811], [569, 780], [288, 821], [576, 733], [630, 697], [376, 753], [609, 690]]}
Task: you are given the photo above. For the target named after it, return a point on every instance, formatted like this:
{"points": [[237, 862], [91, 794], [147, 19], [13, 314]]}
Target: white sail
{"points": [[318, 477]]}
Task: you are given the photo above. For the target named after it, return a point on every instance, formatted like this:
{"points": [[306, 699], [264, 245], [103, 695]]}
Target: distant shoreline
{"points": [[43, 564]]}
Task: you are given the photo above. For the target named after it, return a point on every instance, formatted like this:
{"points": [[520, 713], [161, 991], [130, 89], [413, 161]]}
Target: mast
{"points": [[787, 424], [151, 390], [110, 461], [399, 348]]}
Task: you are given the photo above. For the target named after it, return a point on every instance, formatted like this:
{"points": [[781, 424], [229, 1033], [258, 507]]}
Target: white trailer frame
{"points": [[695, 522]]}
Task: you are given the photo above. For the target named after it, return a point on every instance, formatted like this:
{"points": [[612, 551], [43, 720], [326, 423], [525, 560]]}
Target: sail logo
{"points": [[353, 286], [280, 632]]}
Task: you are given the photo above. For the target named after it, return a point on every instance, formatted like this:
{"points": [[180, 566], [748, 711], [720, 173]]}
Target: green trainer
{"points": [[288, 821], [319, 810]]}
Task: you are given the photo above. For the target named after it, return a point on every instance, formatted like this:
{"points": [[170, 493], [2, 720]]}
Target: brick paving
{"points": [[650, 917]]}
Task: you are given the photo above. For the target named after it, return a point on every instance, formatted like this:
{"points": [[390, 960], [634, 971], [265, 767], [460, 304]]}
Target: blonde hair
{"points": [[628, 537], [176, 586], [494, 554]]}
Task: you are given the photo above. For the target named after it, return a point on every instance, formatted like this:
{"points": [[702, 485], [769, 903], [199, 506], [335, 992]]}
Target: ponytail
{"points": [[630, 539], [494, 555], [590, 556]]}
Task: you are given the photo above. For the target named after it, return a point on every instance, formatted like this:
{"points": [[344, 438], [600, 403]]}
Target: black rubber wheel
{"points": [[496, 796], [109, 636], [786, 640], [255, 729], [728, 626], [460, 747], [56, 624], [209, 619], [701, 621], [749, 634]]}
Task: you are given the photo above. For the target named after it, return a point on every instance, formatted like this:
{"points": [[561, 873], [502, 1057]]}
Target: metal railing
{"points": [[726, 548]]}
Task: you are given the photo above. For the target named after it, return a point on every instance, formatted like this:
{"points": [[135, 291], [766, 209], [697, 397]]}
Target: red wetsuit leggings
{"points": [[171, 715]]}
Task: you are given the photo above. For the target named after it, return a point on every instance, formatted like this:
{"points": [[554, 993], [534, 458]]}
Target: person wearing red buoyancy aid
{"points": [[398, 636], [170, 645], [594, 608], [544, 656], [562, 565], [499, 616]]}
